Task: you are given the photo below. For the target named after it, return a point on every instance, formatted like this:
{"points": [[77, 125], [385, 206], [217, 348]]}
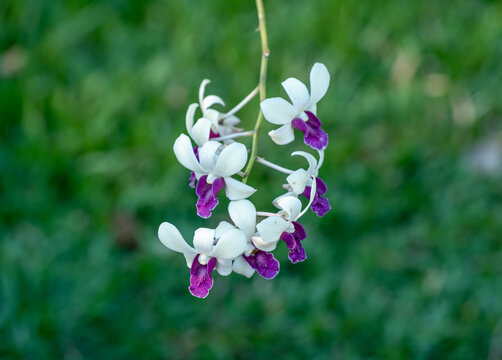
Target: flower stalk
{"points": [[234, 135], [262, 87], [243, 103], [273, 166]]}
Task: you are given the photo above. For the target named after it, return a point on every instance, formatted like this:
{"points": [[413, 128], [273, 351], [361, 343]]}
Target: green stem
{"points": [[262, 87]]}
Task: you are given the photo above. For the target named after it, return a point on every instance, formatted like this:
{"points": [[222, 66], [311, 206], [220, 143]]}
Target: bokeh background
{"points": [[408, 263]]}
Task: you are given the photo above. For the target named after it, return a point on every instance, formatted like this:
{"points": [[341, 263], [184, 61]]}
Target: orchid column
{"points": [[245, 244]]}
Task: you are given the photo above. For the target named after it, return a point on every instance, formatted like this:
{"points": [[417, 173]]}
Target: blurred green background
{"points": [[408, 263]]}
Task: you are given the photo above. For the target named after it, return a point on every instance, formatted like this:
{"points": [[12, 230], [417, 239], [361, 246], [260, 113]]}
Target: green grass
{"points": [[407, 265]]}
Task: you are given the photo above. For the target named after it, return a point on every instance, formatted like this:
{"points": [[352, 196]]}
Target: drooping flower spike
{"points": [[212, 249], [213, 168], [301, 113], [300, 182], [213, 155]]}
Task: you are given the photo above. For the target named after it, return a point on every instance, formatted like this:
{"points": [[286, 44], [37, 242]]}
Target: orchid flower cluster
{"points": [[213, 156]]}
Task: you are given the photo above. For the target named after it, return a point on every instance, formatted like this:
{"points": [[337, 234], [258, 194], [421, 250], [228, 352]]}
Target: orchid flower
{"points": [[255, 257], [214, 170], [300, 182], [211, 249], [212, 124], [301, 114], [284, 226], [202, 131]]}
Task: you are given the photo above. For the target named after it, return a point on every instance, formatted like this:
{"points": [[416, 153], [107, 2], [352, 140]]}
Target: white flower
{"points": [[216, 161], [211, 120], [300, 178], [199, 132], [243, 215], [222, 124], [271, 228], [208, 243], [279, 111]]}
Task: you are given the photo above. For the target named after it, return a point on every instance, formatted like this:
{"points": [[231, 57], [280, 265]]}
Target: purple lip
{"points": [[200, 277], [264, 263], [208, 195], [313, 135]]}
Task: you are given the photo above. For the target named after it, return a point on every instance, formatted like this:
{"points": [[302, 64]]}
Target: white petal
{"points": [[203, 240], [224, 267], [213, 116], [271, 228], [310, 159], [260, 244], [210, 101], [321, 158], [278, 111], [170, 236], [297, 92], [319, 82], [298, 180], [231, 160], [200, 131], [243, 214], [289, 204], [208, 154], [312, 108], [230, 245], [283, 135], [236, 190], [313, 189], [227, 130], [231, 121], [241, 266], [189, 117], [189, 258], [202, 89], [222, 228], [183, 151]]}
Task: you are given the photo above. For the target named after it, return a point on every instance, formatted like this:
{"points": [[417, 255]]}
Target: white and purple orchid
{"points": [[213, 165], [212, 124], [301, 112], [212, 248], [300, 183], [283, 226], [257, 256]]}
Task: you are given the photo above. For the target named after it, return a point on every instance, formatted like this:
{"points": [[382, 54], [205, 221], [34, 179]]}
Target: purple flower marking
{"points": [[320, 205], [264, 263], [200, 277], [213, 134], [293, 241], [192, 174], [313, 135], [191, 180], [208, 195]]}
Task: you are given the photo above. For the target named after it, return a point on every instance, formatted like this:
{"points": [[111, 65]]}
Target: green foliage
{"points": [[406, 265]]}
